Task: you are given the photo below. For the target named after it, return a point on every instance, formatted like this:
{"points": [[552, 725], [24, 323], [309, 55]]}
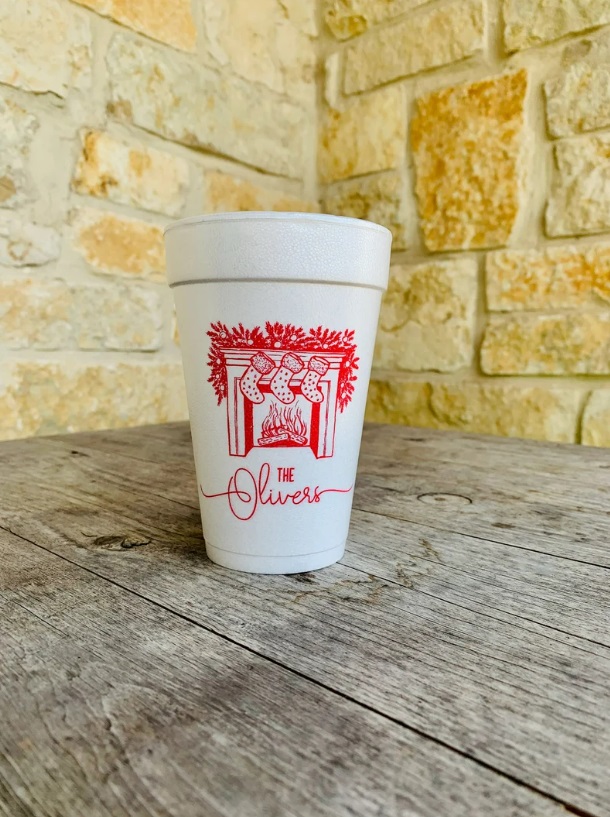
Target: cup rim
{"points": [[264, 215]]}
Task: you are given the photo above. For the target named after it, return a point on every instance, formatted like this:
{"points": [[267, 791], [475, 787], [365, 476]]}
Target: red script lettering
{"points": [[245, 492]]}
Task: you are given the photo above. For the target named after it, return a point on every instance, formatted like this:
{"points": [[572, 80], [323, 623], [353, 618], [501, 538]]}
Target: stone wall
{"points": [[478, 131], [115, 118]]}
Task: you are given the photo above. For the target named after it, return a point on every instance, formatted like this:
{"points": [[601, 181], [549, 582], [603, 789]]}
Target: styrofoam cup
{"points": [[277, 314]]}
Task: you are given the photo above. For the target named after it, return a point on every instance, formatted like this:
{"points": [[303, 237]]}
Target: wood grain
{"points": [[113, 706], [571, 597], [487, 488], [496, 649]]}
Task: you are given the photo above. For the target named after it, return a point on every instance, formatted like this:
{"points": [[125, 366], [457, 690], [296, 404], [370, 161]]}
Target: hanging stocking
{"points": [[290, 365], [259, 366], [317, 367]]}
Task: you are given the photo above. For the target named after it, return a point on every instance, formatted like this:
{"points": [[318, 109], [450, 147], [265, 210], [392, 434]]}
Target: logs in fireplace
{"points": [[283, 425]]}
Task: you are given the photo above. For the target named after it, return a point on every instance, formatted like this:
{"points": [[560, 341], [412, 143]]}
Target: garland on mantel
{"points": [[287, 337]]}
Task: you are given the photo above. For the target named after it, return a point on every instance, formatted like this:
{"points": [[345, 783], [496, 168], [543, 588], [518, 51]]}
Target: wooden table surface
{"points": [[457, 662]]}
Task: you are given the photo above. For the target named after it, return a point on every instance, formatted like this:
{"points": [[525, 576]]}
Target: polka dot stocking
{"points": [[317, 368], [290, 365], [260, 365]]}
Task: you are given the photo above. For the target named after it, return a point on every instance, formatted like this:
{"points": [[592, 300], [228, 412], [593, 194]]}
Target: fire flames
{"points": [[283, 424]]}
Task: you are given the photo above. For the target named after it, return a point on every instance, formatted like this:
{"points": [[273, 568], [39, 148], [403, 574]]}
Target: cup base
{"points": [[274, 564]]}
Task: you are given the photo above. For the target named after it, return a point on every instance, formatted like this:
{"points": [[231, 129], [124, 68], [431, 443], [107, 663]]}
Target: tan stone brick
{"points": [[364, 135], [347, 18], [45, 46], [467, 143], [127, 174], [117, 245], [125, 317], [572, 343], [224, 193], [532, 22], [303, 16], [578, 100], [567, 277], [533, 412], [427, 317], [17, 129], [427, 40], [154, 89], [401, 402], [35, 314], [38, 397], [332, 79], [596, 419], [51, 314], [266, 41], [580, 194], [381, 199], [170, 23], [24, 243]]}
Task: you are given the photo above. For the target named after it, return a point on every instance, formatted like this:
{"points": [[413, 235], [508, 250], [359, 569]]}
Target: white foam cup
{"points": [[277, 315]]}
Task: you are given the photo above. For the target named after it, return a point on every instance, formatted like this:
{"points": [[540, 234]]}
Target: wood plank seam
{"points": [[569, 807], [495, 618], [473, 536], [469, 591]]}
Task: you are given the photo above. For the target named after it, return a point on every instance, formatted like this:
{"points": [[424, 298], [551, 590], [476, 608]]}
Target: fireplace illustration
{"points": [[279, 398], [282, 426], [284, 385]]}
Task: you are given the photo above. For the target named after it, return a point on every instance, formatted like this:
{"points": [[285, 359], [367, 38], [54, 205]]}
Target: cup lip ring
{"points": [[264, 215]]}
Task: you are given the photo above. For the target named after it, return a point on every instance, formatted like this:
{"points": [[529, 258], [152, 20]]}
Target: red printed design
{"points": [[283, 385], [246, 492], [283, 427]]}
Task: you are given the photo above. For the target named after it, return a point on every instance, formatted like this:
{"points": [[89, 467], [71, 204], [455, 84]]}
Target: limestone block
{"points": [[118, 245], [364, 135], [596, 419], [348, 18], [38, 397], [380, 198], [427, 317], [155, 89], [170, 23], [567, 277], [39, 313], [27, 244], [534, 22], [131, 174], [467, 143], [579, 201], [578, 99], [225, 193], [532, 412], [17, 129], [45, 45], [449, 33], [570, 343]]}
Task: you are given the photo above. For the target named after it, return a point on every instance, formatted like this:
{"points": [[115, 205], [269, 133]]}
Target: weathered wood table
{"points": [[456, 663]]}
